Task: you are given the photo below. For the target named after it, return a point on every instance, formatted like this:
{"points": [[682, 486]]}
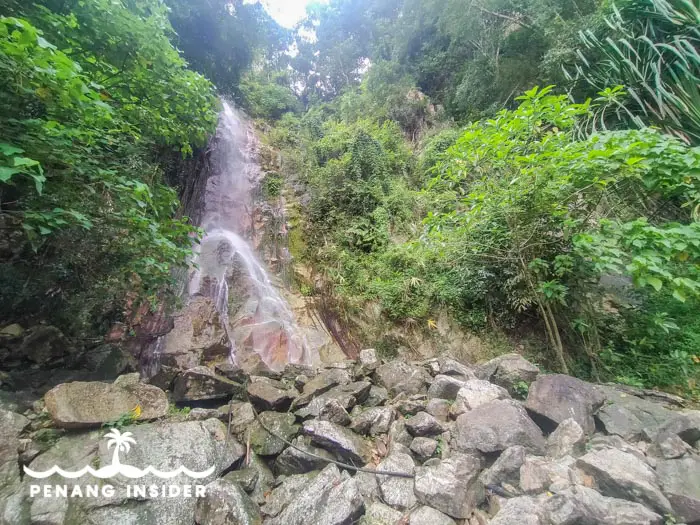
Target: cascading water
{"points": [[225, 263]]}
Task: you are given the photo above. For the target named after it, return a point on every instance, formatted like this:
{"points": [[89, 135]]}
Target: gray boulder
{"points": [[400, 377], [256, 478], [201, 383], [450, 367], [496, 426], [622, 475], [554, 398], [330, 499], [424, 448], [321, 384], [294, 461], [581, 505], [377, 396], [338, 440], [226, 503], [438, 408], [43, 344], [286, 492], [282, 424], [90, 404], [523, 510], [567, 440], [475, 393], [508, 371], [630, 417], [506, 469], [266, 395], [335, 412], [423, 425], [451, 486], [368, 361], [429, 516], [397, 492], [11, 425], [373, 421], [379, 514], [445, 387], [680, 481], [346, 395], [685, 425], [538, 474]]}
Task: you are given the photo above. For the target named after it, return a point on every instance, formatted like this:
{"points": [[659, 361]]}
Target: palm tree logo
{"points": [[120, 442]]}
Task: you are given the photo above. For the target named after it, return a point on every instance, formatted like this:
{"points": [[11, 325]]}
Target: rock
{"points": [[368, 361], [523, 510], [600, 442], [43, 344], [256, 478], [286, 492], [509, 371], [685, 425], [398, 435], [554, 398], [264, 443], [346, 395], [197, 337], [334, 412], [680, 481], [567, 440], [377, 396], [539, 474], [451, 486], [242, 417], [400, 377], [267, 396], [424, 448], [90, 404], [622, 475], [373, 421], [321, 384], [199, 446], [475, 393], [409, 406], [109, 361], [11, 425], [292, 461], [452, 368], [506, 469], [669, 446], [496, 426], [397, 492], [231, 371], [226, 503], [201, 383], [429, 516], [628, 416], [581, 505], [380, 514], [246, 478], [339, 440], [445, 387], [330, 499], [438, 408], [423, 425]]}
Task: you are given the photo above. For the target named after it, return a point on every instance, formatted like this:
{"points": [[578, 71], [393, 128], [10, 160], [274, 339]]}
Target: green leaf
{"points": [[6, 173], [655, 282], [8, 150]]}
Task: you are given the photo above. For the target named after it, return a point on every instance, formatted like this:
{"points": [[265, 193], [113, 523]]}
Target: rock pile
{"points": [[469, 451]]}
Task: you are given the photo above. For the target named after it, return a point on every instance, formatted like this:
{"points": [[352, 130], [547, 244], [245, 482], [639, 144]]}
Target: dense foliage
{"points": [[90, 94]]}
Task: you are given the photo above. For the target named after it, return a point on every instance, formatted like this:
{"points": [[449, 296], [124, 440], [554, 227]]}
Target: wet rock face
{"points": [[441, 447]]}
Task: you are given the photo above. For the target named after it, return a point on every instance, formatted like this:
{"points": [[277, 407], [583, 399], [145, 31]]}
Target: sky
{"points": [[286, 12]]}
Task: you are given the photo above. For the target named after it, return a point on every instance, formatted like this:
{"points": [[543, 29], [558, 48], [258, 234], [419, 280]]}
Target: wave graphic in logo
{"points": [[121, 443]]}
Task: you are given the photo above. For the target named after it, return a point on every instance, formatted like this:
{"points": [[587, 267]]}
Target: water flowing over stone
{"points": [[258, 320]]}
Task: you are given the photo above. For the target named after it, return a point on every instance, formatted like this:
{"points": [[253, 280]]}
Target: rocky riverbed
{"points": [[495, 443]]}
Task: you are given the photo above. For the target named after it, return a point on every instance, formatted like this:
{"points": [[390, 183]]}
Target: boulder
{"points": [[509, 371], [496, 426], [445, 387], [330, 499], [11, 425], [338, 440], [241, 416], [438, 408], [286, 492], [567, 440], [506, 469], [685, 425], [368, 361], [409, 406], [321, 384], [429, 516], [451, 486], [106, 362], [538, 474], [201, 383], [294, 461], [266, 395], [423, 425], [44, 344], [554, 398], [335, 412], [282, 424], [256, 478], [581, 505], [395, 491], [377, 396], [680, 482], [450, 367], [668, 446], [424, 448], [226, 503], [622, 475], [475, 393], [380, 514], [91, 404], [346, 395], [400, 377], [523, 510], [630, 417], [398, 435], [373, 421]]}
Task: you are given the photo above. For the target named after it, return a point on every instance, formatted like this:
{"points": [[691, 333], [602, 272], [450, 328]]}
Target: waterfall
{"points": [[225, 262]]}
